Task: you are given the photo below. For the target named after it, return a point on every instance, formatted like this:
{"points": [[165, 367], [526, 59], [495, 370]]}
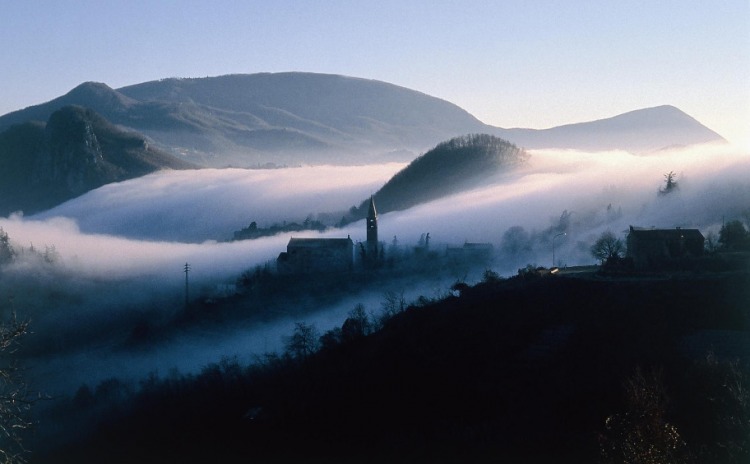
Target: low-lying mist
{"points": [[117, 253]]}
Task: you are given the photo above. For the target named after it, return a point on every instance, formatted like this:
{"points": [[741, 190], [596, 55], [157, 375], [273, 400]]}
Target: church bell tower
{"points": [[372, 230]]}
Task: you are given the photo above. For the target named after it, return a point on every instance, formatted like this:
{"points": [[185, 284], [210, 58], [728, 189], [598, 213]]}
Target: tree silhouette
{"points": [[670, 183], [642, 434], [733, 235], [303, 342], [6, 250], [607, 246]]}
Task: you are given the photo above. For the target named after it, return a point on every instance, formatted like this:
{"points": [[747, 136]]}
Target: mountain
{"points": [[450, 167], [307, 118], [641, 131], [293, 118], [76, 150]]}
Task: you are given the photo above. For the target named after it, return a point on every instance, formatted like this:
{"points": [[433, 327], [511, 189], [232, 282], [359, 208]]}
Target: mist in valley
{"points": [[115, 256]]}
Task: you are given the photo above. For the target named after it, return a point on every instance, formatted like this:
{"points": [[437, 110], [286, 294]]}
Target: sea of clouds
{"points": [[123, 246]]}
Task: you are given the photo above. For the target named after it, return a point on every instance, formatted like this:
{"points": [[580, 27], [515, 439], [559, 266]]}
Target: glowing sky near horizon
{"points": [[511, 64]]}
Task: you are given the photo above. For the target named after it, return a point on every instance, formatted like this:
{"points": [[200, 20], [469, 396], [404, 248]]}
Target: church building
{"points": [[328, 255]]}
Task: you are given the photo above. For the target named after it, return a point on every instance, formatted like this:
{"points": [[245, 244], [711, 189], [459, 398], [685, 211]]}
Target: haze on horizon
{"points": [[519, 64]]}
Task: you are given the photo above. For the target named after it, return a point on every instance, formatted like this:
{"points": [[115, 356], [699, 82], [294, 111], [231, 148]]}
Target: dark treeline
{"points": [[527, 369], [253, 231]]}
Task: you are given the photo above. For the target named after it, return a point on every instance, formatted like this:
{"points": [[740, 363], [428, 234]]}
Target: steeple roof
{"points": [[372, 212]]}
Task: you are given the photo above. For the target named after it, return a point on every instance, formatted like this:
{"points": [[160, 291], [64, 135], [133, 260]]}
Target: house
{"points": [[658, 247], [316, 255]]}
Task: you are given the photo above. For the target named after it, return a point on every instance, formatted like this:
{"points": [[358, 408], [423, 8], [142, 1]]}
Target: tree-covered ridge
{"points": [[450, 167]]}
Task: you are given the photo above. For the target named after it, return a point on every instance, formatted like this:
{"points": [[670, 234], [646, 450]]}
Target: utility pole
{"points": [[187, 270]]}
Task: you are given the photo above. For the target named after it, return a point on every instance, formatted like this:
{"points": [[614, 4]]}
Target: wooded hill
{"points": [[451, 167]]}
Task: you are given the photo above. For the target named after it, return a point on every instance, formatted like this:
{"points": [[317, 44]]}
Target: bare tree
{"points": [[607, 246], [393, 304], [642, 434], [357, 324], [303, 342], [15, 399]]}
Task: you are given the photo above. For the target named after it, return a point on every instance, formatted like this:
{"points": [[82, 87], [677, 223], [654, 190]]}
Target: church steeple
{"points": [[372, 229]]}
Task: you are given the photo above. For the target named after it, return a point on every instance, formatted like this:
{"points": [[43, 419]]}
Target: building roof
{"points": [[372, 212], [666, 234], [319, 242]]}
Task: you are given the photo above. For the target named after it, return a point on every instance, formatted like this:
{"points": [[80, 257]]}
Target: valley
{"points": [[104, 207]]}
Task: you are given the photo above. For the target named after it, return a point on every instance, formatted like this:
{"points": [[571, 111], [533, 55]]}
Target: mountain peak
{"points": [[100, 96], [642, 130]]}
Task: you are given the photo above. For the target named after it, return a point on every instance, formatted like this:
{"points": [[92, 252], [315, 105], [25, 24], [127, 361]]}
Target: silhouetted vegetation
{"points": [[15, 398], [448, 168], [253, 231], [525, 370], [607, 247], [670, 183], [734, 236]]}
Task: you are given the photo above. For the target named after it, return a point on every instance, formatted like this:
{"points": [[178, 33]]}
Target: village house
{"points": [[650, 248]]}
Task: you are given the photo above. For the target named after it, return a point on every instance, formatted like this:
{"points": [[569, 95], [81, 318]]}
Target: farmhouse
{"points": [[658, 247]]}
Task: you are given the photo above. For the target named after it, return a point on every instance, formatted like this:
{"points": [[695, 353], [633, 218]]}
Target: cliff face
{"points": [[76, 151], [73, 159]]}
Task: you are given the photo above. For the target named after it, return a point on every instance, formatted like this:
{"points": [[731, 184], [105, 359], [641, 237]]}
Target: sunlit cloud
{"points": [[122, 247]]}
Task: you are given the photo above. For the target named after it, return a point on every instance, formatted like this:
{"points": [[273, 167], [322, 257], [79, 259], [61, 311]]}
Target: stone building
{"points": [[329, 255], [311, 255]]}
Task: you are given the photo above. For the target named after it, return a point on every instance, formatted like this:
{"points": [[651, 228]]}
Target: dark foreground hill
{"points": [[528, 369], [42, 165], [307, 118]]}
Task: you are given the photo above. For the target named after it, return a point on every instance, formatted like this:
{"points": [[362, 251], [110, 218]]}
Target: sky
{"points": [[536, 64]]}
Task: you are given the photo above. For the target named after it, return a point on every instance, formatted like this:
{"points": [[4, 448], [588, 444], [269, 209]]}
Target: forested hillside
{"points": [[450, 167], [527, 369]]}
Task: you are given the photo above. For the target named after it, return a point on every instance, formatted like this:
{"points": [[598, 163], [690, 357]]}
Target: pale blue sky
{"points": [[535, 63]]}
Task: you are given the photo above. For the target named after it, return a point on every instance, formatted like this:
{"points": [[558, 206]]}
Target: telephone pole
{"points": [[187, 271]]}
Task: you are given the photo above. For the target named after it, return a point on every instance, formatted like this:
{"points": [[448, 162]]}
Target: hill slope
{"points": [[518, 370], [307, 118], [77, 150], [450, 167]]}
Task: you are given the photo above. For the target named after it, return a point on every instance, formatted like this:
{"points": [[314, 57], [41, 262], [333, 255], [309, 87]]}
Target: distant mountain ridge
{"points": [[44, 164], [643, 130], [307, 118]]}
